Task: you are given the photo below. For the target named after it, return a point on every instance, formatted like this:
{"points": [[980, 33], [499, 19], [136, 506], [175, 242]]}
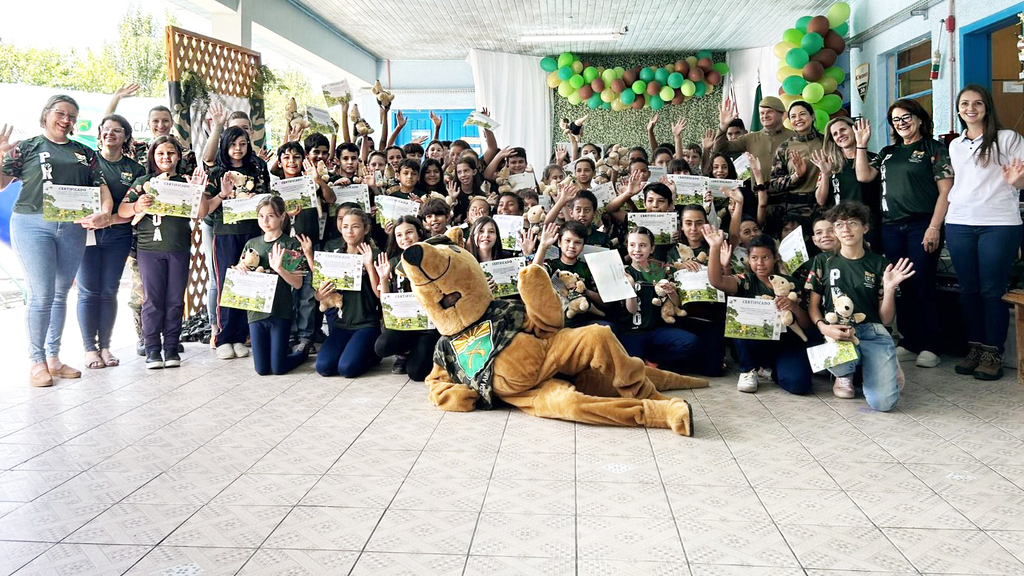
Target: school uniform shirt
{"points": [[119, 177], [844, 186], [797, 194], [597, 238], [860, 280], [980, 196], [909, 175], [580, 267], [359, 309], [761, 144], [261, 185], [648, 315], [816, 270], [282, 306], [37, 160], [175, 233]]}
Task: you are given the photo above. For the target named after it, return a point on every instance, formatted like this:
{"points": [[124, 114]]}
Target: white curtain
{"points": [[514, 90], [745, 68]]}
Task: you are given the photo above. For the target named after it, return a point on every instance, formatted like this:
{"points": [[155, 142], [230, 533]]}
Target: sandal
{"points": [[64, 371], [109, 359], [39, 376], [93, 360]]}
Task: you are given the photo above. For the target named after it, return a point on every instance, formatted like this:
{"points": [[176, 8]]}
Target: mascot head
{"points": [[447, 281]]}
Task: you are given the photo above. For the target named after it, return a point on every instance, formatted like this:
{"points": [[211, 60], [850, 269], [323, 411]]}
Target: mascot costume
{"points": [[520, 353]]}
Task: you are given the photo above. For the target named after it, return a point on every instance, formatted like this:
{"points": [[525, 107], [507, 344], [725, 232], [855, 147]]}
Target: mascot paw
{"points": [[673, 414]]}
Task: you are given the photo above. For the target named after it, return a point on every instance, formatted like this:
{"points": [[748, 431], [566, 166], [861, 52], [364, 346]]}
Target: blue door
{"points": [[417, 124]]}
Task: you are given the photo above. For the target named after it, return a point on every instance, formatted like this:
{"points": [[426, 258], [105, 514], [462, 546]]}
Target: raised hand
{"points": [[862, 132], [679, 127], [895, 274], [198, 177], [5, 140], [1013, 172], [218, 113], [755, 166], [309, 169], [263, 154], [435, 119], [549, 235], [713, 236], [419, 140], [727, 112], [528, 242], [561, 155], [453, 189], [822, 161], [798, 163], [383, 267], [708, 139], [725, 254], [399, 120], [126, 90], [367, 254], [652, 122], [276, 257], [306, 243]]}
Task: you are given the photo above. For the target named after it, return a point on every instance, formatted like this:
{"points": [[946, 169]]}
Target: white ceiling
{"points": [[447, 29]]}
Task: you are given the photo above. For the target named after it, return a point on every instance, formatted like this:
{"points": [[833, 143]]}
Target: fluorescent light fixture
{"points": [[570, 37]]}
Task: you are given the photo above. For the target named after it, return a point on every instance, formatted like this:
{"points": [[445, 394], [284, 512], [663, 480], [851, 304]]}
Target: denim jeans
{"points": [[787, 359], [982, 257], [916, 314], [234, 323], [348, 353], [303, 305], [211, 272], [50, 253], [270, 351], [877, 355], [98, 279]]}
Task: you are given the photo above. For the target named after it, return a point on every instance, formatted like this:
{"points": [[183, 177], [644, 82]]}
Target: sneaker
{"points": [[240, 350], [225, 351], [747, 382], [901, 379], [154, 361], [303, 347], [969, 364], [927, 359], [764, 374], [843, 387], [904, 355], [990, 367], [399, 366], [181, 348], [171, 359], [140, 348]]}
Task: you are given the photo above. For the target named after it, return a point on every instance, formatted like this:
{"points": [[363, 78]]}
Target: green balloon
{"points": [[699, 89], [675, 80], [812, 42], [838, 14], [655, 102], [797, 58], [661, 75], [608, 76], [646, 74], [842, 29], [688, 88], [565, 59], [564, 73], [667, 93], [574, 98], [722, 68], [619, 71], [548, 64], [830, 103], [576, 81], [836, 73], [820, 119], [813, 92], [589, 73], [703, 54], [639, 87], [793, 85], [564, 89], [793, 35], [802, 22], [627, 97], [594, 102], [606, 106]]}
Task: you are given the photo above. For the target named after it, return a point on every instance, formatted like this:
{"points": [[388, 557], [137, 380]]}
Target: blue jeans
{"points": [[211, 272], [303, 305], [787, 359], [877, 355], [50, 253], [348, 353], [672, 349], [270, 351], [98, 279], [982, 257], [917, 317]]}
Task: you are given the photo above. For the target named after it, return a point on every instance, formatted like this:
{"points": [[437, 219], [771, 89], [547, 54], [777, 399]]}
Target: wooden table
{"points": [[1016, 297]]}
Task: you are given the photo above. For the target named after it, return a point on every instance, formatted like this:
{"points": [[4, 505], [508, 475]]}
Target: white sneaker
{"points": [[747, 382], [225, 352], [901, 380], [843, 387], [904, 355], [240, 350], [764, 374], [927, 359]]}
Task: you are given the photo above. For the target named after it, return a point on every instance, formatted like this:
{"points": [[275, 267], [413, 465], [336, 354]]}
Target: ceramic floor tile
{"points": [[620, 499], [522, 535], [353, 491], [722, 570], [266, 490], [787, 474], [228, 526], [220, 459], [27, 485], [47, 521], [954, 551], [696, 470], [612, 440], [85, 560], [816, 507], [730, 503], [735, 543], [875, 477], [13, 454], [601, 567], [636, 467], [1011, 541], [181, 488], [145, 459], [909, 510], [142, 524], [530, 497], [518, 566], [453, 465], [174, 560], [607, 538], [359, 462], [990, 511], [844, 548], [292, 459], [14, 555], [963, 479], [535, 466], [433, 494], [321, 528], [98, 486], [423, 532], [267, 562], [379, 564]]}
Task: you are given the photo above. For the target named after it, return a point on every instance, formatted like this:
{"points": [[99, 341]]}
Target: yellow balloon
{"points": [[577, 67], [788, 99], [554, 80], [691, 60], [829, 84], [783, 48], [787, 124], [786, 72], [617, 105]]}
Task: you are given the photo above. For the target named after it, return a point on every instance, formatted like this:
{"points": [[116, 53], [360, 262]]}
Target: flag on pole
{"points": [[755, 120]]}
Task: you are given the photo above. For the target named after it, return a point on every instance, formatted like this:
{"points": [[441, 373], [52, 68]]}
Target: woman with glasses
{"points": [[916, 177], [50, 252]]}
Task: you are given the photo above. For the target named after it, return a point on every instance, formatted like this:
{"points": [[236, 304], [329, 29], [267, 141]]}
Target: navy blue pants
{"points": [[98, 278], [164, 278], [418, 345], [916, 315], [348, 353], [270, 351], [234, 323], [672, 349], [787, 359]]}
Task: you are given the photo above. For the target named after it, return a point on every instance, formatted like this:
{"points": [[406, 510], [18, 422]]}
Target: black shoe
{"points": [[154, 361], [140, 348], [171, 359], [181, 348], [399, 365]]}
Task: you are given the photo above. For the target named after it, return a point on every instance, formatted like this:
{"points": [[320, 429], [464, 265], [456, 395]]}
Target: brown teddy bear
{"points": [[241, 185], [492, 349], [571, 288], [501, 179], [535, 218], [669, 311], [686, 255], [322, 171], [251, 260], [844, 315], [384, 98], [333, 300], [785, 289]]}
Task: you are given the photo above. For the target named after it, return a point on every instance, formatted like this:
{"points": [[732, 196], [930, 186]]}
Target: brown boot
{"points": [[969, 364], [990, 367]]}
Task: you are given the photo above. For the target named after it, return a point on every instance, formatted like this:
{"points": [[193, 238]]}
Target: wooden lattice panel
{"points": [[198, 274], [228, 69]]}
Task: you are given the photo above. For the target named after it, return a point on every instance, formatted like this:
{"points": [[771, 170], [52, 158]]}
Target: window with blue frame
{"points": [[912, 79], [418, 125]]}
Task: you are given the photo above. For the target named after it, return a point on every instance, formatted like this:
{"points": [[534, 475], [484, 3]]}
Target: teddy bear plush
{"points": [[844, 315], [686, 255], [360, 124], [322, 171], [574, 127], [251, 260], [786, 289], [669, 311], [570, 288], [332, 300], [384, 98], [520, 352], [241, 185], [535, 218], [501, 179]]}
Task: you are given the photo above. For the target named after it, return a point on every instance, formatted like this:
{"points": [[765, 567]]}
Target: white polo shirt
{"points": [[980, 196]]}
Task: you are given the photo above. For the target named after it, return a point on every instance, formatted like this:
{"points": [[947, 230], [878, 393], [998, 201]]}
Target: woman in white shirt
{"points": [[983, 226]]}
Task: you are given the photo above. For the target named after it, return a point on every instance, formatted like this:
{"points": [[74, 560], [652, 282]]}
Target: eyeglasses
{"points": [[847, 224], [905, 119], [113, 131], [65, 116]]}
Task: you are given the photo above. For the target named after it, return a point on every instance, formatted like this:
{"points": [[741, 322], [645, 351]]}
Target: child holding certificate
{"points": [[570, 239], [163, 255]]}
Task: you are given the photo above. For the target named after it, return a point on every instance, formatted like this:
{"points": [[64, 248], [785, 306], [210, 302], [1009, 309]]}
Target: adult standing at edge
{"points": [[50, 252], [99, 275], [916, 179], [983, 226]]}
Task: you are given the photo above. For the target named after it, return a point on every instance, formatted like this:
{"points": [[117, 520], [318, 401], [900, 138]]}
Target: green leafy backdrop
{"points": [[629, 127]]}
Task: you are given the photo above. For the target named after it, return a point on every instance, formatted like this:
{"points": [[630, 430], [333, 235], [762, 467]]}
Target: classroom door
{"points": [[989, 58], [418, 124]]}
